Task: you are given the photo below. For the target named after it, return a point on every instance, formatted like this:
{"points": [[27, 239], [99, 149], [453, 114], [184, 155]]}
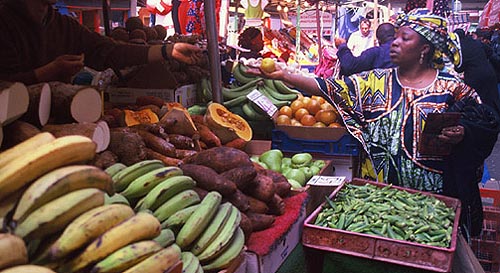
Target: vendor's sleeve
{"points": [[10, 64], [349, 64]]}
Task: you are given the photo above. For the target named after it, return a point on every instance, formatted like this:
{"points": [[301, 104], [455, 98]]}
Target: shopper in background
{"points": [[361, 39], [37, 44], [251, 39], [386, 109], [478, 72], [374, 57]]}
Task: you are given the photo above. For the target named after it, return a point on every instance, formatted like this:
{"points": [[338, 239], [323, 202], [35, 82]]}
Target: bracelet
{"points": [[164, 51]]}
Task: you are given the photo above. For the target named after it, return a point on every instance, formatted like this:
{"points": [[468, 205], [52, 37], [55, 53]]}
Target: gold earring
{"points": [[421, 61]]}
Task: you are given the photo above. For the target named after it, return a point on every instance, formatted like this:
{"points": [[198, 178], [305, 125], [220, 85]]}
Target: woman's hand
{"points": [[452, 135], [61, 69]]}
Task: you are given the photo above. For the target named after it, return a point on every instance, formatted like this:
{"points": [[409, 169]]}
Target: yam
{"points": [[98, 132], [201, 192], [264, 188], [181, 153], [281, 184], [220, 159], [104, 159], [14, 101], [276, 205], [246, 226], [38, 112], [242, 176], [239, 200], [260, 221], [17, 132], [255, 205], [149, 100], [209, 179], [157, 144], [127, 145], [181, 142], [168, 161], [74, 103], [153, 128], [237, 143], [207, 136]]}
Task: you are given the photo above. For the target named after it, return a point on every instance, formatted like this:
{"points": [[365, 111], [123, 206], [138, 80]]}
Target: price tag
{"points": [[322, 180], [263, 103]]}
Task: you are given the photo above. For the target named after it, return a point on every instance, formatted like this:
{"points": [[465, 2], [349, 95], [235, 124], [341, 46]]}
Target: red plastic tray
{"points": [[401, 252]]}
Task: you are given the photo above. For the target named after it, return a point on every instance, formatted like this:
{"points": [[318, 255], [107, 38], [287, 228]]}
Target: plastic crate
{"points": [[411, 254], [487, 245], [490, 196], [345, 145]]}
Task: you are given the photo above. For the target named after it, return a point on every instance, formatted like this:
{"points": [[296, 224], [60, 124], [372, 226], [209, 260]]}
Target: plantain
{"points": [[164, 191], [179, 201], [126, 257], [180, 217], [116, 199], [58, 213], [275, 93], [213, 229], [25, 147], [115, 168], [143, 184], [283, 89], [160, 262], [231, 93], [166, 237], [87, 227], [142, 226], [252, 114], [65, 150], [58, 183], [230, 253], [235, 102], [199, 220], [190, 263], [240, 74], [124, 177], [224, 237]]}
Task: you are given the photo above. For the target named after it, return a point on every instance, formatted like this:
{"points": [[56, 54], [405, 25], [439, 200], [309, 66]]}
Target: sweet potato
{"points": [[260, 221], [209, 179], [157, 143], [181, 142], [181, 153], [239, 200], [168, 161], [104, 159], [281, 184], [263, 189], [242, 176], [255, 205], [237, 143], [276, 205], [283, 189], [246, 226], [153, 128], [207, 136], [148, 100], [220, 159]]}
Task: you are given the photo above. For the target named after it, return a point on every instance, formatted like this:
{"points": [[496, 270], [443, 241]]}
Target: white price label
{"points": [[321, 180], [262, 102]]}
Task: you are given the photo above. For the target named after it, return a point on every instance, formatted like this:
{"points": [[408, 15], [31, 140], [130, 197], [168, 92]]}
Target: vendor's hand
{"points": [[278, 74], [61, 69], [338, 41], [452, 135], [187, 53]]}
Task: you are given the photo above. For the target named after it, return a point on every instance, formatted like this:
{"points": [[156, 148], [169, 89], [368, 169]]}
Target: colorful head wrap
{"points": [[433, 28]]}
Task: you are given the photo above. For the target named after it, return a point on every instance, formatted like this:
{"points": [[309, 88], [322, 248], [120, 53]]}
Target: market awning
{"points": [[491, 14]]}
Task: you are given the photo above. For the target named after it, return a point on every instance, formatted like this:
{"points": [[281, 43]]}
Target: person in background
{"points": [[361, 39], [478, 72], [386, 110], [251, 39], [374, 57], [37, 44]]}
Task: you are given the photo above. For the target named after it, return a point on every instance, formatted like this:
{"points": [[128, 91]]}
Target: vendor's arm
{"points": [[349, 64]]}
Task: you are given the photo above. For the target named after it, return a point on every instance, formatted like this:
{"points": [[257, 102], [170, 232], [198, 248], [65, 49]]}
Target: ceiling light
{"points": [[285, 9]]}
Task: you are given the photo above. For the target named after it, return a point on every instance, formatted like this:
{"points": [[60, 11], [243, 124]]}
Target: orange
{"points": [[335, 125], [296, 105], [313, 106], [306, 100], [296, 122], [319, 124], [327, 106], [326, 116], [283, 120], [320, 99], [307, 120], [286, 110], [300, 113], [268, 65]]}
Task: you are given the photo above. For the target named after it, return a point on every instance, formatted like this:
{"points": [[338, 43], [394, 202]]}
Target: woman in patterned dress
{"points": [[386, 109]]}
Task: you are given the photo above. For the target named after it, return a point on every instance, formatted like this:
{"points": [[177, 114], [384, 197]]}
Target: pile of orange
{"points": [[309, 111]]}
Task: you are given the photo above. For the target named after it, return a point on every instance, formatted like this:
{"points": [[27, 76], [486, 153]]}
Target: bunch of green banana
{"points": [[241, 75], [164, 191], [124, 176], [190, 263], [141, 186], [179, 218], [166, 237], [199, 220], [205, 88], [229, 253], [178, 202], [159, 262]]}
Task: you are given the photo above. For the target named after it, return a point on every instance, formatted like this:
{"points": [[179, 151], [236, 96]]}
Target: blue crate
{"points": [[345, 145]]}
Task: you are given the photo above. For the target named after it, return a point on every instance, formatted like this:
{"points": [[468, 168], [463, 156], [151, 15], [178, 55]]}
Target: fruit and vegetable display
{"points": [[309, 111], [66, 216], [389, 212]]}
